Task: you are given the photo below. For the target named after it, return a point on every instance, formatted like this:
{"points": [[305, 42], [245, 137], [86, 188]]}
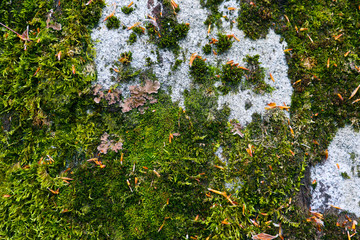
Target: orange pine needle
{"points": [[292, 153], [192, 58], [347, 53], [341, 98], [219, 167], [288, 50], [357, 100], [292, 131], [209, 29], [111, 14], [355, 91], [170, 137], [338, 36], [328, 63], [58, 55], [272, 78], [231, 8], [73, 69], [235, 38], [6, 195], [334, 206], [156, 173], [215, 53], [135, 25], [130, 4], [37, 70], [243, 68], [338, 166], [54, 192]]}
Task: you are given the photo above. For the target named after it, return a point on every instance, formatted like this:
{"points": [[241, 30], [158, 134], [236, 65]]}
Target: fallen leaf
{"points": [[264, 236]]}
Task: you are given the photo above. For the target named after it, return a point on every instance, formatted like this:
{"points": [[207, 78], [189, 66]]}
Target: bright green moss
{"points": [[127, 10], [224, 43], [207, 49], [113, 22], [132, 38]]}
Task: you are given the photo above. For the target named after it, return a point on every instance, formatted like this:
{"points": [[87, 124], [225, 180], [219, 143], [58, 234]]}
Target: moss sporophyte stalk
{"points": [[79, 161]]}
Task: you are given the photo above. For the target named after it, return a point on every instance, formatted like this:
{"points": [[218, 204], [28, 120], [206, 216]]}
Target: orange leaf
{"points": [[288, 50], [231, 8]]}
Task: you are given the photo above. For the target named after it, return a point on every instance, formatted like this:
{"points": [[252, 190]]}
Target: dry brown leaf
{"points": [[264, 236]]}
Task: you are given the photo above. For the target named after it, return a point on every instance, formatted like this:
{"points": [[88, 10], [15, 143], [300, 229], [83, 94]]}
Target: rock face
{"points": [[338, 178], [113, 42]]}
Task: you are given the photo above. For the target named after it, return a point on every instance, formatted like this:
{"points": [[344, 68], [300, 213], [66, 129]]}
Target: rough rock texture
{"points": [[333, 187], [112, 42]]}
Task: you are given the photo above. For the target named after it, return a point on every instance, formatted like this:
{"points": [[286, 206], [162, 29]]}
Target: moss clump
{"points": [[176, 65], [125, 57], [132, 38], [215, 17], [200, 71], [138, 30], [224, 43], [231, 77], [256, 75], [171, 32], [207, 49], [345, 175], [113, 23], [127, 10], [255, 18]]}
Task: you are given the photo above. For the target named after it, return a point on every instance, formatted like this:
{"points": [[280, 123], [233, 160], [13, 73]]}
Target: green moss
{"points": [[345, 175], [113, 23], [256, 17], [200, 71], [207, 49], [176, 65], [224, 43], [125, 57], [132, 38], [127, 10], [138, 30], [231, 77], [256, 75], [171, 32]]}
